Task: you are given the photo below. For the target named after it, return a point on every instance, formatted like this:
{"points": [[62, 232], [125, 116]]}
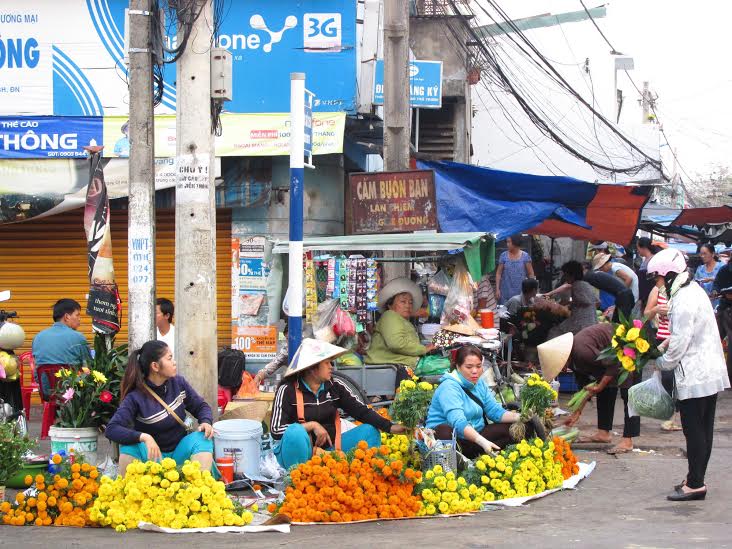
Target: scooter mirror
{"points": [[5, 295]]}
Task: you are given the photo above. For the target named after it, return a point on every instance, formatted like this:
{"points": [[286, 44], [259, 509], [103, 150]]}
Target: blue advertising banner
{"points": [[425, 84], [71, 61], [48, 137]]}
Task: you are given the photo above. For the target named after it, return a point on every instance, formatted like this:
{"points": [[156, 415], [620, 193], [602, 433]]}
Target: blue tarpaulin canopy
{"points": [[474, 198]]}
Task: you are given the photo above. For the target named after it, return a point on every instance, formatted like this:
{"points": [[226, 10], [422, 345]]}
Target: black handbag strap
{"points": [[475, 399]]}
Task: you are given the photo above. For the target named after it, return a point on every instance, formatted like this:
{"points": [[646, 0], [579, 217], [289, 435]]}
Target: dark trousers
{"points": [[606, 411], [697, 420], [497, 433]]}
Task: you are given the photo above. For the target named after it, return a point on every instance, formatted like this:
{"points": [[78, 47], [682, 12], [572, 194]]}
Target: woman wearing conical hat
{"points": [[305, 413]]}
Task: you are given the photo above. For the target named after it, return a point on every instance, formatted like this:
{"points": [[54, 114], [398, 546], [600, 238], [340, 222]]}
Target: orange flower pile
{"points": [[62, 500], [364, 484], [563, 454]]}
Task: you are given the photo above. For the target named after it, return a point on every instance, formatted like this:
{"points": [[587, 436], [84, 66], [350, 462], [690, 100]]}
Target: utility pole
{"points": [[396, 85], [195, 209], [141, 208], [646, 103]]}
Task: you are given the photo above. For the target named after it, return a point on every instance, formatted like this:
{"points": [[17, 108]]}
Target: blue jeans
{"points": [[189, 445], [295, 447]]}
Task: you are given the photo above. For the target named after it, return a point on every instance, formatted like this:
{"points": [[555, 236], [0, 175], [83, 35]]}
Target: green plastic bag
{"points": [[432, 365]]}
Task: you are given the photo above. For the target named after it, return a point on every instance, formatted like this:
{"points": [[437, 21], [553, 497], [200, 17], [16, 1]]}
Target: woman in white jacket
{"points": [[694, 353]]}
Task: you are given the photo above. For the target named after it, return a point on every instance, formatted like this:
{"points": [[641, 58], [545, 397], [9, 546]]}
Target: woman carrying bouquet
{"points": [[694, 353], [582, 351], [149, 423]]}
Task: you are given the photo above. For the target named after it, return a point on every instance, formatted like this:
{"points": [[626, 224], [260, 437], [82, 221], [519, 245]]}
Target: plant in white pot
{"points": [[87, 398], [13, 447]]}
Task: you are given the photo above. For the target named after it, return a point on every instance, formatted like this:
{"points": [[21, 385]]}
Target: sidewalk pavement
{"points": [[622, 504]]}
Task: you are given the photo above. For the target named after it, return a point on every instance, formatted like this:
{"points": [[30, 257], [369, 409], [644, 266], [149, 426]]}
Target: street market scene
{"points": [[364, 272]]}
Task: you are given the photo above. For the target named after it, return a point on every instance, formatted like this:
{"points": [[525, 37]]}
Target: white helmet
{"points": [[667, 261]]}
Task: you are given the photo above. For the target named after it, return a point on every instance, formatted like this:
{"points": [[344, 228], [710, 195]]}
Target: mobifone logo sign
{"points": [[257, 22], [322, 31]]}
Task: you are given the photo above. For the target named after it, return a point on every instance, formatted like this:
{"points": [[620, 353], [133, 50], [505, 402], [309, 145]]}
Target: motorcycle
{"points": [[12, 337]]}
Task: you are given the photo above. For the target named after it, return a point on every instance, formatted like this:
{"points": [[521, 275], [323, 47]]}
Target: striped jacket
{"points": [[320, 407], [141, 413]]}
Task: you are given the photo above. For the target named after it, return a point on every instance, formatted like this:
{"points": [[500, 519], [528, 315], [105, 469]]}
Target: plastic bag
{"points": [[343, 324], [439, 284], [436, 304], [650, 399], [432, 365], [459, 302], [248, 387], [325, 319]]}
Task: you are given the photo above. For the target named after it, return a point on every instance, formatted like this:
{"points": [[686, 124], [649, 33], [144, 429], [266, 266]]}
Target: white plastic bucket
{"points": [[83, 440], [240, 439]]}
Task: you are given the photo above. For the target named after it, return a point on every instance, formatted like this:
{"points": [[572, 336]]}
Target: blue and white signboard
{"points": [[425, 84], [69, 60], [48, 136]]}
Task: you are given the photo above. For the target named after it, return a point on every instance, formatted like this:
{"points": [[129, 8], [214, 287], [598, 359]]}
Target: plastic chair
{"points": [[48, 372], [28, 385]]}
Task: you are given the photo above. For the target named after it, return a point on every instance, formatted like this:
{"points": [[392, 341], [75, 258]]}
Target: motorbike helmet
{"points": [[12, 336], [667, 261]]}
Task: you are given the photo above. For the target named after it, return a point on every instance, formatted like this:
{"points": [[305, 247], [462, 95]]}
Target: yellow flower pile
{"points": [[525, 469], [444, 493], [398, 446], [163, 495]]}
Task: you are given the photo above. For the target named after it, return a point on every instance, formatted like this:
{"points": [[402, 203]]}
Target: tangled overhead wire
{"points": [[504, 75]]}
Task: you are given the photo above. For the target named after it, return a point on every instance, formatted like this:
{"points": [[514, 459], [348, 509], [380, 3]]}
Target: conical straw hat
{"points": [[553, 355], [312, 352]]}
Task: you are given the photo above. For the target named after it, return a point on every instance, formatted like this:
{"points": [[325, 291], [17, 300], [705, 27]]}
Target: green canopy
{"points": [[479, 248]]}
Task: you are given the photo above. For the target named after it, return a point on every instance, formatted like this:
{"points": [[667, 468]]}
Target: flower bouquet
{"points": [[536, 398], [84, 398], [631, 345], [411, 403]]}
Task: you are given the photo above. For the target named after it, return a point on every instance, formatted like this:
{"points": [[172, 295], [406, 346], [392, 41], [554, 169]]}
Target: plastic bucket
{"points": [[225, 465], [83, 440], [241, 440]]}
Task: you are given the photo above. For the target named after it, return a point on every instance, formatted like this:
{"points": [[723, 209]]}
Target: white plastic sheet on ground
{"points": [[584, 471], [282, 528]]}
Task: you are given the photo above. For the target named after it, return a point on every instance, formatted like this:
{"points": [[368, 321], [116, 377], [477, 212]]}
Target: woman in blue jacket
{"points": [[465, 404]]}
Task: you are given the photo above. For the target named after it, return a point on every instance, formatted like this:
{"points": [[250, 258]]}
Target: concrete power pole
{"points": [[141, 213], [195, 211], [646, 103], [396, 85]]}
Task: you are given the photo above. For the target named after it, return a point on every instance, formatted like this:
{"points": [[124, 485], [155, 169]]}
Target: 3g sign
{"points": [[322, 31]]}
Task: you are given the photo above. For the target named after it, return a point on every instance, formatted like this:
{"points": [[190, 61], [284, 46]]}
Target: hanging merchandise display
{"points": [[372, 285], [311, 292], [343, 281], [332, 285]]}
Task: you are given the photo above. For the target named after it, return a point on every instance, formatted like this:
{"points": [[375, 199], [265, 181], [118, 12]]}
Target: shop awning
{"points": [[415, 242], [503, 203], [613, 215], [704, 216]]}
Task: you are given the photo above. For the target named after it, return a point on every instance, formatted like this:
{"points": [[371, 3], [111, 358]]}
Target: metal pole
{"points": [[416, 132], [195, 212], [141, 205], [396, 85], [297, 176]]}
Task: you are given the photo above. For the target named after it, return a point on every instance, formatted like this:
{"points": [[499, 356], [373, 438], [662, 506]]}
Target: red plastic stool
{"points": [[48, 372], [28, 385]]}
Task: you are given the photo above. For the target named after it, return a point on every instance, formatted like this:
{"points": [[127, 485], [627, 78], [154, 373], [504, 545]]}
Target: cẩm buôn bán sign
{"points": [[393, 202]]}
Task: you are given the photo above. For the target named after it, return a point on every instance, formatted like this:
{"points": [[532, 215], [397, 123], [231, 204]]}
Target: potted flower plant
{"points": [[87, 397], [12, 449]]}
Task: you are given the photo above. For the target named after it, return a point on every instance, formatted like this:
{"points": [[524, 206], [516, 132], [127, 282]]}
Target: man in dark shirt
{"points": [[624, 300]]}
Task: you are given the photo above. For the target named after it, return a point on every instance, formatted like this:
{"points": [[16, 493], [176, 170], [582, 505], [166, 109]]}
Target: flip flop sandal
{"points": [[590, 440], [671, 427], [615, 451]]}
